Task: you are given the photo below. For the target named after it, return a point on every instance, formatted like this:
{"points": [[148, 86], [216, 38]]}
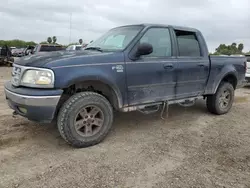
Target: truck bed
{"points": [[221, 65]]}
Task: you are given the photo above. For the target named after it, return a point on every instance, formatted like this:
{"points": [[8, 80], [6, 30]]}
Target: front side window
{"points": [[188, 43], [160, 39], [116, 39]]}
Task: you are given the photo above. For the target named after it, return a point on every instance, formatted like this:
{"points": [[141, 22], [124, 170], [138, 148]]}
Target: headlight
{"points": [[38, 78]]}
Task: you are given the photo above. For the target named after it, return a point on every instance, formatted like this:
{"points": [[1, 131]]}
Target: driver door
{"points": [[152, 77]]}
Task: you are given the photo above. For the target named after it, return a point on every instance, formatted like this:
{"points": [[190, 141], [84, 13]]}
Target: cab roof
{"points": [[163, 25]]}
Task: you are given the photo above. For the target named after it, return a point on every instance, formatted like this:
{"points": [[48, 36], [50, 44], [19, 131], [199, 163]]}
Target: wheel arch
{"points": [[101, 86], [230, 78]]}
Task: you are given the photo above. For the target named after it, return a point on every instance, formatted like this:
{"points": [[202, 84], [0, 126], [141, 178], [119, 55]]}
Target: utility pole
{"points": [[70, 26]]}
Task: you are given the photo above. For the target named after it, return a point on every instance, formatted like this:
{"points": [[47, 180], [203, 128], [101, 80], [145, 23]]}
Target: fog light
{"points": [[23, 110]]}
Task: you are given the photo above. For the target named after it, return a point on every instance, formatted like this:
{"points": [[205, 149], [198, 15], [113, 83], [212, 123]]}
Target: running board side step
{"points": [[154, 107], [150, 109]]}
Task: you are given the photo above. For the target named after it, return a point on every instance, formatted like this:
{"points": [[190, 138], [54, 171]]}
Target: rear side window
{"points": [[188, 43]]}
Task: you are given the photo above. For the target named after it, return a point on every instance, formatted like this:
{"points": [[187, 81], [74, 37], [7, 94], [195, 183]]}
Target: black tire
{"points": [[213, 101], [66, 121]]}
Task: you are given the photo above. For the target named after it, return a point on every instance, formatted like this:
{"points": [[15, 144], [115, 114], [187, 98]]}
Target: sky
{"points": [[220, 21]]}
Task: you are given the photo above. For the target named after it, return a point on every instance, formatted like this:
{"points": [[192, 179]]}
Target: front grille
{"points": [[16, 75]]}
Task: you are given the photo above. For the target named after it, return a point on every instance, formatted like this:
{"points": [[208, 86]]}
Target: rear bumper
{"points": [[40, 108], [247, 80]]}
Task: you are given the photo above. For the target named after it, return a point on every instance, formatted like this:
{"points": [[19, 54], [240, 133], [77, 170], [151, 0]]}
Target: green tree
{"points": [[44, 42], [73, 43], [54, 39], [17, 43], [216, 53], [224, 49], [49, 40], [240, 47], [234, 44]]}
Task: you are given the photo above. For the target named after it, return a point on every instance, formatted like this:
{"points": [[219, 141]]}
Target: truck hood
{"points": [[44, 59]]}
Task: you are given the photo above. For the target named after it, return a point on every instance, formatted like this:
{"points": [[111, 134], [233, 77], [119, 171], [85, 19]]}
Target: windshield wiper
{"points": [[94, 48]]}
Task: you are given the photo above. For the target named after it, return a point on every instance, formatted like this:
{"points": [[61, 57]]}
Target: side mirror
{"points": [[144, 49]]}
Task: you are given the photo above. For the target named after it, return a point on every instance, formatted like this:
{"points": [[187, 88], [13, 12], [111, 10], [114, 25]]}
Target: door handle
{"points": [[201, 65], [168, 66]]}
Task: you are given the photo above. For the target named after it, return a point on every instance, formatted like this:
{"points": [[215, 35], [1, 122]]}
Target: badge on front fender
{"points": [[118, 68]]}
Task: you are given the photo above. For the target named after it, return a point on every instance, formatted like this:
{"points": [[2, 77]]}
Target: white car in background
{"points": [[248, 70], [74, 47]]}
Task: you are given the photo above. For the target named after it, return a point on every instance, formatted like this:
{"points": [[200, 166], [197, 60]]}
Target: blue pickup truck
{"points": [[136, 67]]}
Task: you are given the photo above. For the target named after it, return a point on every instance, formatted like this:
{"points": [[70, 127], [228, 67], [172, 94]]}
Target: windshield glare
{"points": [[116, 39]]}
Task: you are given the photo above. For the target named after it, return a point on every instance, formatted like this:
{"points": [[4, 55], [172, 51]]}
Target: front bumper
{"points": [[35, 104]]}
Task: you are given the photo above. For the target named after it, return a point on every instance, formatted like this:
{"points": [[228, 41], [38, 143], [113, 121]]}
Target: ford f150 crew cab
{"points": [[134, 67]]}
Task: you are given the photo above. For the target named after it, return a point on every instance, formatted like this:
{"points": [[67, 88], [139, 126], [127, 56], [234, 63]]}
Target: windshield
{"points": [[116, 39]]}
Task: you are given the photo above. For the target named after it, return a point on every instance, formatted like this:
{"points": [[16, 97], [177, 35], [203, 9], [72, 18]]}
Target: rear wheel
{"points": [[85, 119], [221, 102]]}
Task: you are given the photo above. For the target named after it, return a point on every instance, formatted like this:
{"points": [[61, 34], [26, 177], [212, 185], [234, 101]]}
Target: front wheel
{"points": [[85, 119], [221, 102]]}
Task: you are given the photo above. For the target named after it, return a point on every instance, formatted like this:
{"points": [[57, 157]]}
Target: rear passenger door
{"points": [[193, 66]]}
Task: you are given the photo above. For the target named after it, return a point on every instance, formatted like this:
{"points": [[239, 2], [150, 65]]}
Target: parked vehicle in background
{"points": [[18, 52], [6, 56], [248, 70], [137, 67], [41, 48], [29, 50], [74, 47]]}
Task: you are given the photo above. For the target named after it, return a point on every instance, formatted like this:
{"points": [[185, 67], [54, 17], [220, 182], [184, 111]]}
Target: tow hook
{"points": [[14, 114]]}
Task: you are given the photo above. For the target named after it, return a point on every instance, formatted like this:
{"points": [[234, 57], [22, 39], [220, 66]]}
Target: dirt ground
{"points": [[191, 149]]}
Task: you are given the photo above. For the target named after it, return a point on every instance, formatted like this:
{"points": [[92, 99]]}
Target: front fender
{"points": [[65, 77]]}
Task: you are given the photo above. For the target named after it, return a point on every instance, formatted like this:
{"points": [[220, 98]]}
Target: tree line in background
{"points": [[222, 49], [54, 39], [22, 44], [50, 40], [16, 43]]}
